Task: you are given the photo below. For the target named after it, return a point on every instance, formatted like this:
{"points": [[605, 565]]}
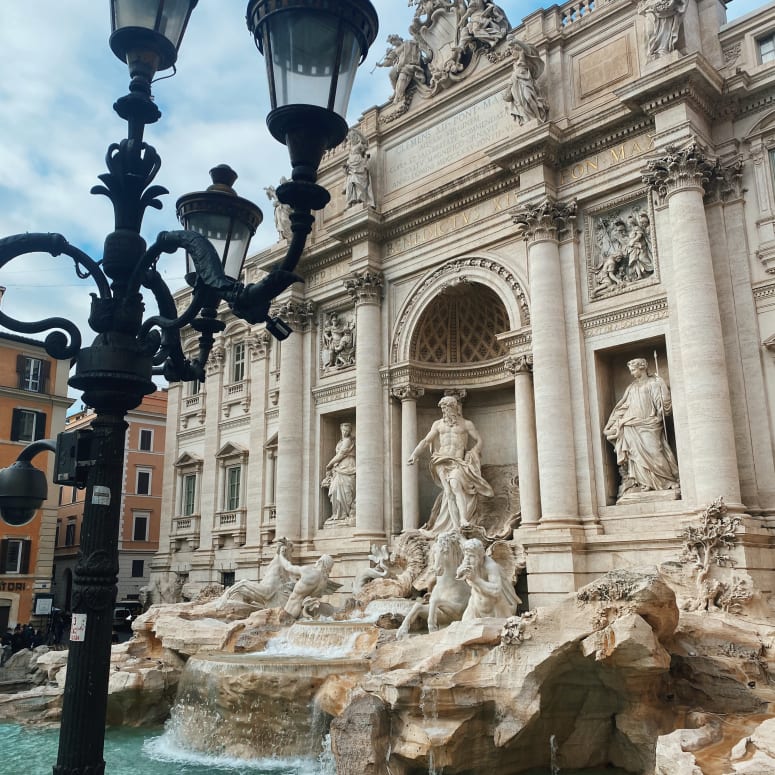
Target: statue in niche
{"points": [[311, 582], [483, 23], [357, 187], [490, 575], [271, 592], [622, 252], [638, 432], [666, 20], [406, 68], [454, 468], [523, 96], [338, 342], [340, 479], [282, 212]]}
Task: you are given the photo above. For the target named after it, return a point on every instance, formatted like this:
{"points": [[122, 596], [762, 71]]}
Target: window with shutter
{"points": [[3, 554], [24, 565], [28, 425]]}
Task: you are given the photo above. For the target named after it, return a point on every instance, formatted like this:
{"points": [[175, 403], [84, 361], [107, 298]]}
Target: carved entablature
{"points": [[680, 169], [298, 314], [365, 287], [519, 364], [621, 248], [341, 391], [548, 219], [337, 341]]}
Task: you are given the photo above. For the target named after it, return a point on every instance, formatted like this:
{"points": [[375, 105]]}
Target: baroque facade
{"points": [[569, 225]]}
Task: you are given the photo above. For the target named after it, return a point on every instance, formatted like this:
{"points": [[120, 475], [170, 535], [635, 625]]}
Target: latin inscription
{"points": [[607, 159], [450, 224], [447, 142]]}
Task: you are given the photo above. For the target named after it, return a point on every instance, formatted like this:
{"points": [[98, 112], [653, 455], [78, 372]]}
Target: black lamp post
{"points": [[308, 42]]}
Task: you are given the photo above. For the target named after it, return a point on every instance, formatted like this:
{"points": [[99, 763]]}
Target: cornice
{"points": [[483, 374], [602, 322], [690, 78], [337, 392]]}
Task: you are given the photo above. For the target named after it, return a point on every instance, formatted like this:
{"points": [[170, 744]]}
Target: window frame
{"points": [[141, 471], [765, 57], [145, 433], [70, 533], [137, 519], [232, 494], [19, 418], [188, 500], [238, 362], [137, 564], [22, 558]]}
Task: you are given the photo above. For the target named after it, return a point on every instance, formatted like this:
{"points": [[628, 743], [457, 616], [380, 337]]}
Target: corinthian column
{"points": [[541, 226], [366, 290], [680, 177], [290, 446], [521, 366], [410, 495]]}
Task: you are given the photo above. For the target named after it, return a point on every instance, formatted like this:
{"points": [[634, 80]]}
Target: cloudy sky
{"points": [[59, 82]]}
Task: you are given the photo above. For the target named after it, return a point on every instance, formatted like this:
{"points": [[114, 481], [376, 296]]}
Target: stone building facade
{"points": [[535, 208]]}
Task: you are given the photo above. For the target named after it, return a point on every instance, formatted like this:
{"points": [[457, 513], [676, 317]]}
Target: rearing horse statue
{"points": [[450, 595]]}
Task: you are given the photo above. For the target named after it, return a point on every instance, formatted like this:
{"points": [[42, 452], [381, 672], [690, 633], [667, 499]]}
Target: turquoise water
{"points": [[133, 752], [25, 751]]}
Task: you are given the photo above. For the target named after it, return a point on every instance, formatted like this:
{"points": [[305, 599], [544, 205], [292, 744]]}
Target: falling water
{"points": [[553, 751], [430, 713]]}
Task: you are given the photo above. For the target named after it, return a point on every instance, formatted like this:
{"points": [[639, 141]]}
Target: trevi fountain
{"points": [[517, 495]]}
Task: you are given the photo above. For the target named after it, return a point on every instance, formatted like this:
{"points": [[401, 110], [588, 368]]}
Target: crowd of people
{"points": [[25, 636]]}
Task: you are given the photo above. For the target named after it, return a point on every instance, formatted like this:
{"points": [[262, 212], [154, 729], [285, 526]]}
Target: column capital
{"points": [[519, 364], [407, 392], [546, 220], [258, 344], [298, 314], [365, 287], [681, 169], [728, 183]]}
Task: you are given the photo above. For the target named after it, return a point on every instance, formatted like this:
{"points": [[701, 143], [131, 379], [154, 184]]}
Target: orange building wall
{"points": [[19, 589]]}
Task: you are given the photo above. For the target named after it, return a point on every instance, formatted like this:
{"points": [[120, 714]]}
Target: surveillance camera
{"points": [[23, 489]]}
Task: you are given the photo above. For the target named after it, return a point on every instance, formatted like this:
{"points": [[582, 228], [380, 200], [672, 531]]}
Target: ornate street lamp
{"points": [[308, 42]]}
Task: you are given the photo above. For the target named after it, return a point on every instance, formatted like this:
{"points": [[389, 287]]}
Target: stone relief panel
{"points": [[621, 249], [337, 341]]}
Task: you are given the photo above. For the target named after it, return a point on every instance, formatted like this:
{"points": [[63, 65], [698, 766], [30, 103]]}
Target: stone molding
{"points": [[365, 287], [478, 375], [342, 390], [614, 320], [449, 275], [519, 364], [407, 392], [546, 220]]}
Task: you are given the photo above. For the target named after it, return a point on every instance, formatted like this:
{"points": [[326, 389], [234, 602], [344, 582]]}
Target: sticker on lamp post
{"points": [[78, 628], [100, 495]]}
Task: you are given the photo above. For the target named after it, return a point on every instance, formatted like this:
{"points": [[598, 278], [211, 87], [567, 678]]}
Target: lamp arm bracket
{"points": [[35, 448], [55, 245]]}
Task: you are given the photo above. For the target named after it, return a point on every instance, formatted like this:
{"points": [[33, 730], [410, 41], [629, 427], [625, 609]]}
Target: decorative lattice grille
{"points": [[459, 326]]}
